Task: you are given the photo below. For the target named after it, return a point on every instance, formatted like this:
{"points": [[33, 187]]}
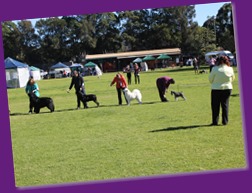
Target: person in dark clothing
{"points": [[137, 73], [78, 83], [128, 71], [163, 84]]}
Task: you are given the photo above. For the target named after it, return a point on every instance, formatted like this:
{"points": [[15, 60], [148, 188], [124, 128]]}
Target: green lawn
{"points": [[114, 141]]}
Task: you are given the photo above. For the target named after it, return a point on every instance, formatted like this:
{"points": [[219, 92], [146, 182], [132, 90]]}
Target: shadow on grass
{"points": [[93, 107], [22, 114], [180, 69], [180, 128], [235, 95]]}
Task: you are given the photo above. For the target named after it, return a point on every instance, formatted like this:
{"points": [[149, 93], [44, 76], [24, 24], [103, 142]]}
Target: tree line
{"points": [[70, 38]]}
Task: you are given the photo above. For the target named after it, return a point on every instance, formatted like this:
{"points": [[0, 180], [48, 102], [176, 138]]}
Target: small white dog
{"points": [[135, 94]]}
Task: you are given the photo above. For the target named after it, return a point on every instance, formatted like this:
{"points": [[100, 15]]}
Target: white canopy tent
{"points": [[58, 70], [97, 71], [17, 73], [35, 72]]}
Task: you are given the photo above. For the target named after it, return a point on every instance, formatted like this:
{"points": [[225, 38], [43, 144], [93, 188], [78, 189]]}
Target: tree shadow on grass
{"points": [[180, 128]]}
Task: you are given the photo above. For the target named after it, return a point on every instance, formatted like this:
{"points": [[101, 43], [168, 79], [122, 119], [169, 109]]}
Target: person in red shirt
{"points": [[120, 85]]}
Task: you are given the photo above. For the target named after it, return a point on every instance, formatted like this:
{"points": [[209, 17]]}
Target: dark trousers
{"points": [[79, 100], [162, 94], [211, 67], [129, 77], [220, 98], [119, 94], [137, 79], [30, 107]]}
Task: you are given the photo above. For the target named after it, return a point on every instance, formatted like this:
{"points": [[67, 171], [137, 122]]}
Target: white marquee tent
{"points": [[35, 72], [17, 73], [57, 70]]}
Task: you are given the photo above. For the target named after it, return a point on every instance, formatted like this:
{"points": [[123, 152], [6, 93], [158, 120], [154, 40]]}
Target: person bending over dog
{"points": [[163, 84], [78, 83], [31, 87]]}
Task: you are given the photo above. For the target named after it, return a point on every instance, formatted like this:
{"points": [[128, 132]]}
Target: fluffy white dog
{"points": [[135, 94]]}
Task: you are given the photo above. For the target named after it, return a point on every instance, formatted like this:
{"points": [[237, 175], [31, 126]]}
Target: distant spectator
{"points": [[137, 70], [196, 65], [128, 72], [212, 62]]}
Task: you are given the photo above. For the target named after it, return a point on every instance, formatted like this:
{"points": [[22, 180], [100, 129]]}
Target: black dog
{"points": [[89, 97], [202, 71], [177, 95], [40, 102]]}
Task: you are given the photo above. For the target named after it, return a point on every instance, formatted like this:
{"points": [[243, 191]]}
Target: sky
{"points": [[205, 10], [202, 12]]}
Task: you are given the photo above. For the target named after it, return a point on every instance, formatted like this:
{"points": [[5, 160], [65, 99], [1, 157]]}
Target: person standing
{"points": [[137, 70], [128, 72], [32, 87], [195, 65], [212, 62], [163, 84], [221, 78], [120, 85], [78, 83]]}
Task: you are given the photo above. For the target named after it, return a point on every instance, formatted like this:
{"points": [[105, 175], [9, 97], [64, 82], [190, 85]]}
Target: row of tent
{"points": [[18, 73], [149, 58]]}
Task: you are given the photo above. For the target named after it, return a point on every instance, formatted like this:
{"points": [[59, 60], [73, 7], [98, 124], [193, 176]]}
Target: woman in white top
{"points": [[221, 78]]}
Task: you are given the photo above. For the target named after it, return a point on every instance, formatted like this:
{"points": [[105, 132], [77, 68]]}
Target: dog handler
{"points": [[221, 78], [32, 86], [163, 84], [120, 85], [78, 83]]}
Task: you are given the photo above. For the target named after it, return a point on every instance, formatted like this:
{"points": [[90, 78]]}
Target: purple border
{"points": [[228, 181]]}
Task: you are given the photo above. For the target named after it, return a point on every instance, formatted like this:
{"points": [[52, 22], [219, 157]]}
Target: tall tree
{"points": [[225, 28], [107, 32], [11, 43], [53, 33], [29, 41]]}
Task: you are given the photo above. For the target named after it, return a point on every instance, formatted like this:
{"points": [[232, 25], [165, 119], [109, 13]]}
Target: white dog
{"points": [[135, 94]]}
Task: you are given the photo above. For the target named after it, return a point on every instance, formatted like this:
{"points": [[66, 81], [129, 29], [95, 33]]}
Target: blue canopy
{"points": [[137, 60], [59, 65], [76, 65], [11, 63]]}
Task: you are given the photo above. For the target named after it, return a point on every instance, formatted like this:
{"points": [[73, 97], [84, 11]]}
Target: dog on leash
{"points": [[41, 102], [177, 95], [86, 98], [135, 94]]}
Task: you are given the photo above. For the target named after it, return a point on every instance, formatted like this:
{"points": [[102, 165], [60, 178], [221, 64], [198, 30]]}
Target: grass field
{"points": [[112, 141]]}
